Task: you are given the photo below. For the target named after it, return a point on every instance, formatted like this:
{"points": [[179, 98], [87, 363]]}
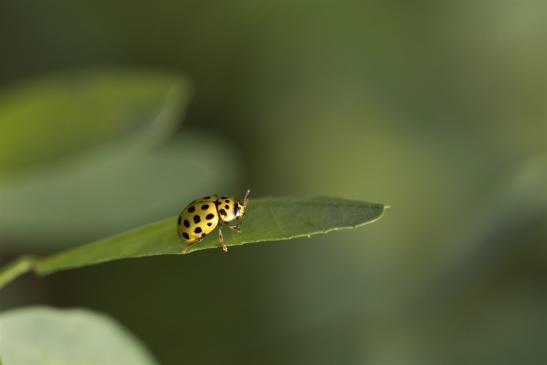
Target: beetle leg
{"points": [[221, 240], [185, 248], [236, 227]]}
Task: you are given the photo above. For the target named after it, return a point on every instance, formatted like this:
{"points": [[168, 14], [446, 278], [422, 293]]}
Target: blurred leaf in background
{"points": [[46, 336], [85, 155], [59, 118]]}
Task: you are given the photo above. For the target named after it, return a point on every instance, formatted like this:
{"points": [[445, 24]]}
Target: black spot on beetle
{"points": [[185, 235], [209, 224], [202, 235], [179, 220], [223, 212], [207, 197], [226, 201], [227, 207], [197, 219], [209, 216], [192, 209], [197, 230], [204, 207], [186, 223], [223, 197]]}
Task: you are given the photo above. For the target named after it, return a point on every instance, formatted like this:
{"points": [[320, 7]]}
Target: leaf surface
{"points": [[267, 219]]}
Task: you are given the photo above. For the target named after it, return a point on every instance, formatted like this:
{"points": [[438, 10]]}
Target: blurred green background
{"points": [[436, 108]]}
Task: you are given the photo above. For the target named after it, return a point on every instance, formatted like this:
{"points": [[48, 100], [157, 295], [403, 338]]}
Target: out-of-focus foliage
{"points": [[436, 108], [46, 336], [89, 201], [55, 119], [95, 141]]}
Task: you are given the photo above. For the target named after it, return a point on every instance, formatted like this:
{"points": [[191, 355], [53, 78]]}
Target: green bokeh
{"points": [[436, 108]]}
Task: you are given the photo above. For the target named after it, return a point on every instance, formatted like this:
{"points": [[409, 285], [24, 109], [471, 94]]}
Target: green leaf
{"points": [[60, 118], [267, 219], [47, 336]]}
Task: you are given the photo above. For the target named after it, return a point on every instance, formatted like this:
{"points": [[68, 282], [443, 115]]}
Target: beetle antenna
{"points": [[246, 198]]}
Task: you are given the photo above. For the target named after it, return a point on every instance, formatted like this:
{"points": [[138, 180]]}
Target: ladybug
{"points": [[202, 216]]}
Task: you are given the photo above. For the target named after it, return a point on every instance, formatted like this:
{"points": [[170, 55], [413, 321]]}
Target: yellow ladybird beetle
{"points": [[202, 216]]}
